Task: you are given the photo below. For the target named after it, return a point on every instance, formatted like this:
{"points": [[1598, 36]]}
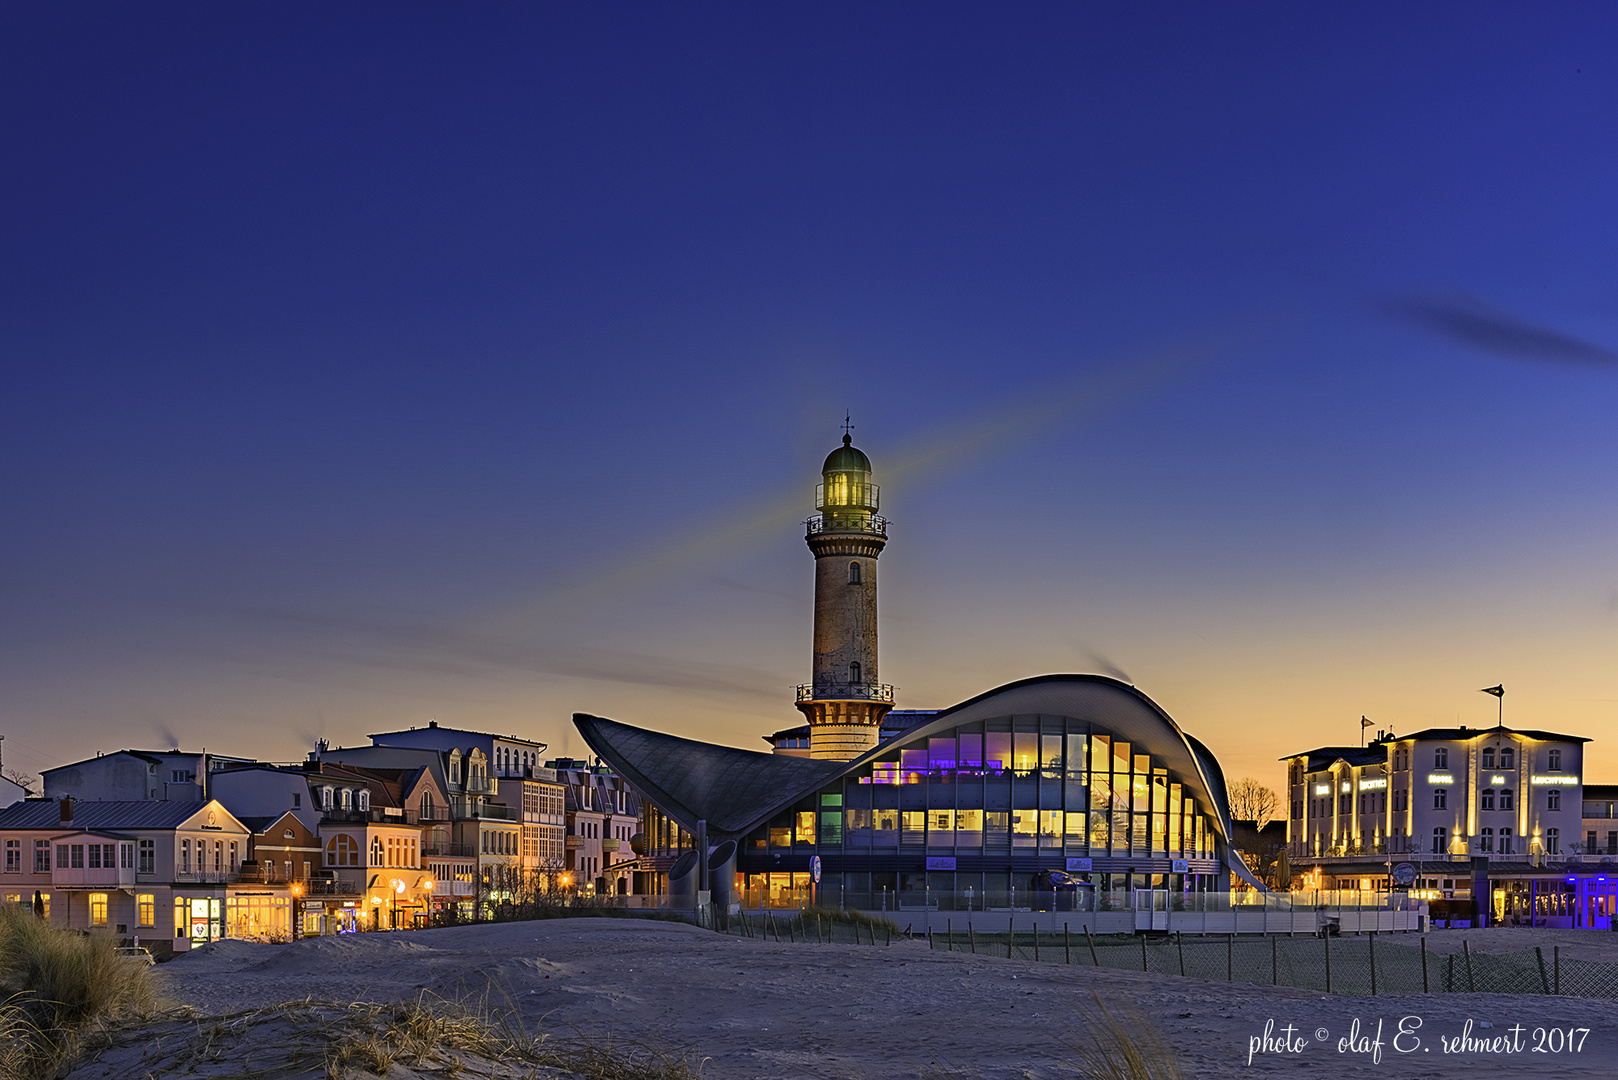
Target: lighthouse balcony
{"points": [[838, 523], [845, 692]]}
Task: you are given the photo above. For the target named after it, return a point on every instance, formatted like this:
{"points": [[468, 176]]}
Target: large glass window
{"points": [[968, 828], [98, 909]]}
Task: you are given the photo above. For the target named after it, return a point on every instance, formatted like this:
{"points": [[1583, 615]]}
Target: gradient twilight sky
{"points": [[361, 365]]}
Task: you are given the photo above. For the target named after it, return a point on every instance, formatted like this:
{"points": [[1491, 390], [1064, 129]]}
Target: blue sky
{"points": [[368, 365]]}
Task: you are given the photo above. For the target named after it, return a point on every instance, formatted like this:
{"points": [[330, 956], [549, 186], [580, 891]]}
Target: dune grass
{"points": [[1119, 1044], [58, 986], [346, 1041]]}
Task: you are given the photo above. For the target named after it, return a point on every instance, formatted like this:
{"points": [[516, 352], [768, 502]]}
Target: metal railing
{"points": [[875, 525], [845, 691], [473, 808], [449, 851], [377, 814]]}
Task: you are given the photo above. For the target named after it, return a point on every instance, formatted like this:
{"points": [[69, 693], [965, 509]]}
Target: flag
{"points": [[1497, 691], [1364, 722]]}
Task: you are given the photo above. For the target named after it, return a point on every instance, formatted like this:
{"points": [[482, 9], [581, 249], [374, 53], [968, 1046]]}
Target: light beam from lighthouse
{"points": [[845, 703]]}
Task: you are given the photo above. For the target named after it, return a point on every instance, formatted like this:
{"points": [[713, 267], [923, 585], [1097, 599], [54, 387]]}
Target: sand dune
{"points": [[758, 1009]]}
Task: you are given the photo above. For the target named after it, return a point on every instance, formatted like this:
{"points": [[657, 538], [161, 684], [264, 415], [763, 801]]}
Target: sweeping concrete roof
{"points": [[737, 790]]}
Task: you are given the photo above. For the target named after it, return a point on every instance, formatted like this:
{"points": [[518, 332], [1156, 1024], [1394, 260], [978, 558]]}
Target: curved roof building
{"points": [[1081, 774]]}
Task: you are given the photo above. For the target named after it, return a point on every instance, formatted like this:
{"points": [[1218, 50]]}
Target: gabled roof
{"points": [[1457, 734], [142, 814], [1375, 754]]}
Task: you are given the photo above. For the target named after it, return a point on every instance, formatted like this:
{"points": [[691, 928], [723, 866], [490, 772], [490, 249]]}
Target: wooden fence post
{"points": [[1275, 962], [1544, 979], [1094, 962], [1467, 949], [1371, 944], [1230, 959], [1556, 954], [1327, 940], [1179, 941], [1011, 936], [1067, 942], [1036, 939], [949, 935], [1143, 966]]}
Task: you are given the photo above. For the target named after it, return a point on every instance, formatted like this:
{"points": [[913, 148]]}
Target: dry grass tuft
{"points": [[1121, 1045], [347, 1041], [59, 988]]}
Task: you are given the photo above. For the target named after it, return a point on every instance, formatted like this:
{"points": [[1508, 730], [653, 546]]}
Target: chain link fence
{"points": [[1365, 965]]}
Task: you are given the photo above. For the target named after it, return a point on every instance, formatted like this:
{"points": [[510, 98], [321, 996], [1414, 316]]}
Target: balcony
{"points": [[575, 842], [477, 808], [845, 692], [449, 851], [376, 814], [872, 525], [65, 877], [611, 844], [329, 887]]}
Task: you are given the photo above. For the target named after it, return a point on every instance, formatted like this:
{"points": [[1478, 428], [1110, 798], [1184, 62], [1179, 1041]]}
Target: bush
{"points": [[56, 986]]}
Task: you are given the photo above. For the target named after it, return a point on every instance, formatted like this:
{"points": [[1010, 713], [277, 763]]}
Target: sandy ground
{"points": [[759, 1009]]}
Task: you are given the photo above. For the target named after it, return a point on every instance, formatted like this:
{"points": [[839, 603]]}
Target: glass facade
{"points": [[981, 810]]}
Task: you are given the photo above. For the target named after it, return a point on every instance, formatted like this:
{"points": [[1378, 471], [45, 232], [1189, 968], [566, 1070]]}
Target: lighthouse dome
{"points": [[847, 458]]}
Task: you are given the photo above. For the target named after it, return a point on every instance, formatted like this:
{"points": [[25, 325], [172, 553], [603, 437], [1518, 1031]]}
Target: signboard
{"points": [[814, 869], [1078, 864], [1179, 866], [940, 862], [1404, 874]]}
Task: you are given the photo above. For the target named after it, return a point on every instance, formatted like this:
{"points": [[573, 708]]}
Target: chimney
{"points": [[431, 724], [66, 806]]}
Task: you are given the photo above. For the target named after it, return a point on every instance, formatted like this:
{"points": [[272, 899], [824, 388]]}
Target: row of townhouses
{"points": [[423, 826]]}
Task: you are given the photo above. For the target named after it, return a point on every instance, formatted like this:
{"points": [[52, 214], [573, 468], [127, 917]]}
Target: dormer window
{"points": [[347, 799], [325, 798], [365, 800]]}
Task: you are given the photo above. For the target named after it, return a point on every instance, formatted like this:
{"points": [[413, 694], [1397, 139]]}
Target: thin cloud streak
{"points": [[1076, 399], [402, 642], [1471, 322]]}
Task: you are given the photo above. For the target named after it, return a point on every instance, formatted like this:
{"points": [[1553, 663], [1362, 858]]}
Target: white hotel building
{"points": [[1464, 808]]}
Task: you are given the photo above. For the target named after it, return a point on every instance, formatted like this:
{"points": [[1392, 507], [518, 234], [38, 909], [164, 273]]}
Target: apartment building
{"points": [[604, 814], [167, 873]]}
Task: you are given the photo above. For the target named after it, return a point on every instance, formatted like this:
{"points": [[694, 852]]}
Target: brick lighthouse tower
{"points": [[845, 704]]}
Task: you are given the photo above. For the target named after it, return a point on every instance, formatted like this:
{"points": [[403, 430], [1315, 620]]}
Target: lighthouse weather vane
{"points": [[848, 425]]}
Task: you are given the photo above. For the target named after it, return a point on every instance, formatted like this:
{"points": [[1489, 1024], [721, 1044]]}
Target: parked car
{"points": [[138, 952]]}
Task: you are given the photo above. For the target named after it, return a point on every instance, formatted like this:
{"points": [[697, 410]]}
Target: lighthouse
{"points": [[845, 702]]}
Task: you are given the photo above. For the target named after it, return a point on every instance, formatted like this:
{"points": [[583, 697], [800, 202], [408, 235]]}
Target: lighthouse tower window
{"points": [[853, 573], [854, 673]]}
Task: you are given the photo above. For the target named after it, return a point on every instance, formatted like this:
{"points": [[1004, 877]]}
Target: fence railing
{"points": [[1365, 966], [1077, 899]]}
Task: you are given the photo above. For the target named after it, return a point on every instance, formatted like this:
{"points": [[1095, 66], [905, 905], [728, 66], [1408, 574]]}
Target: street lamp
{"points": [[297, 909], [398, 890]]}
